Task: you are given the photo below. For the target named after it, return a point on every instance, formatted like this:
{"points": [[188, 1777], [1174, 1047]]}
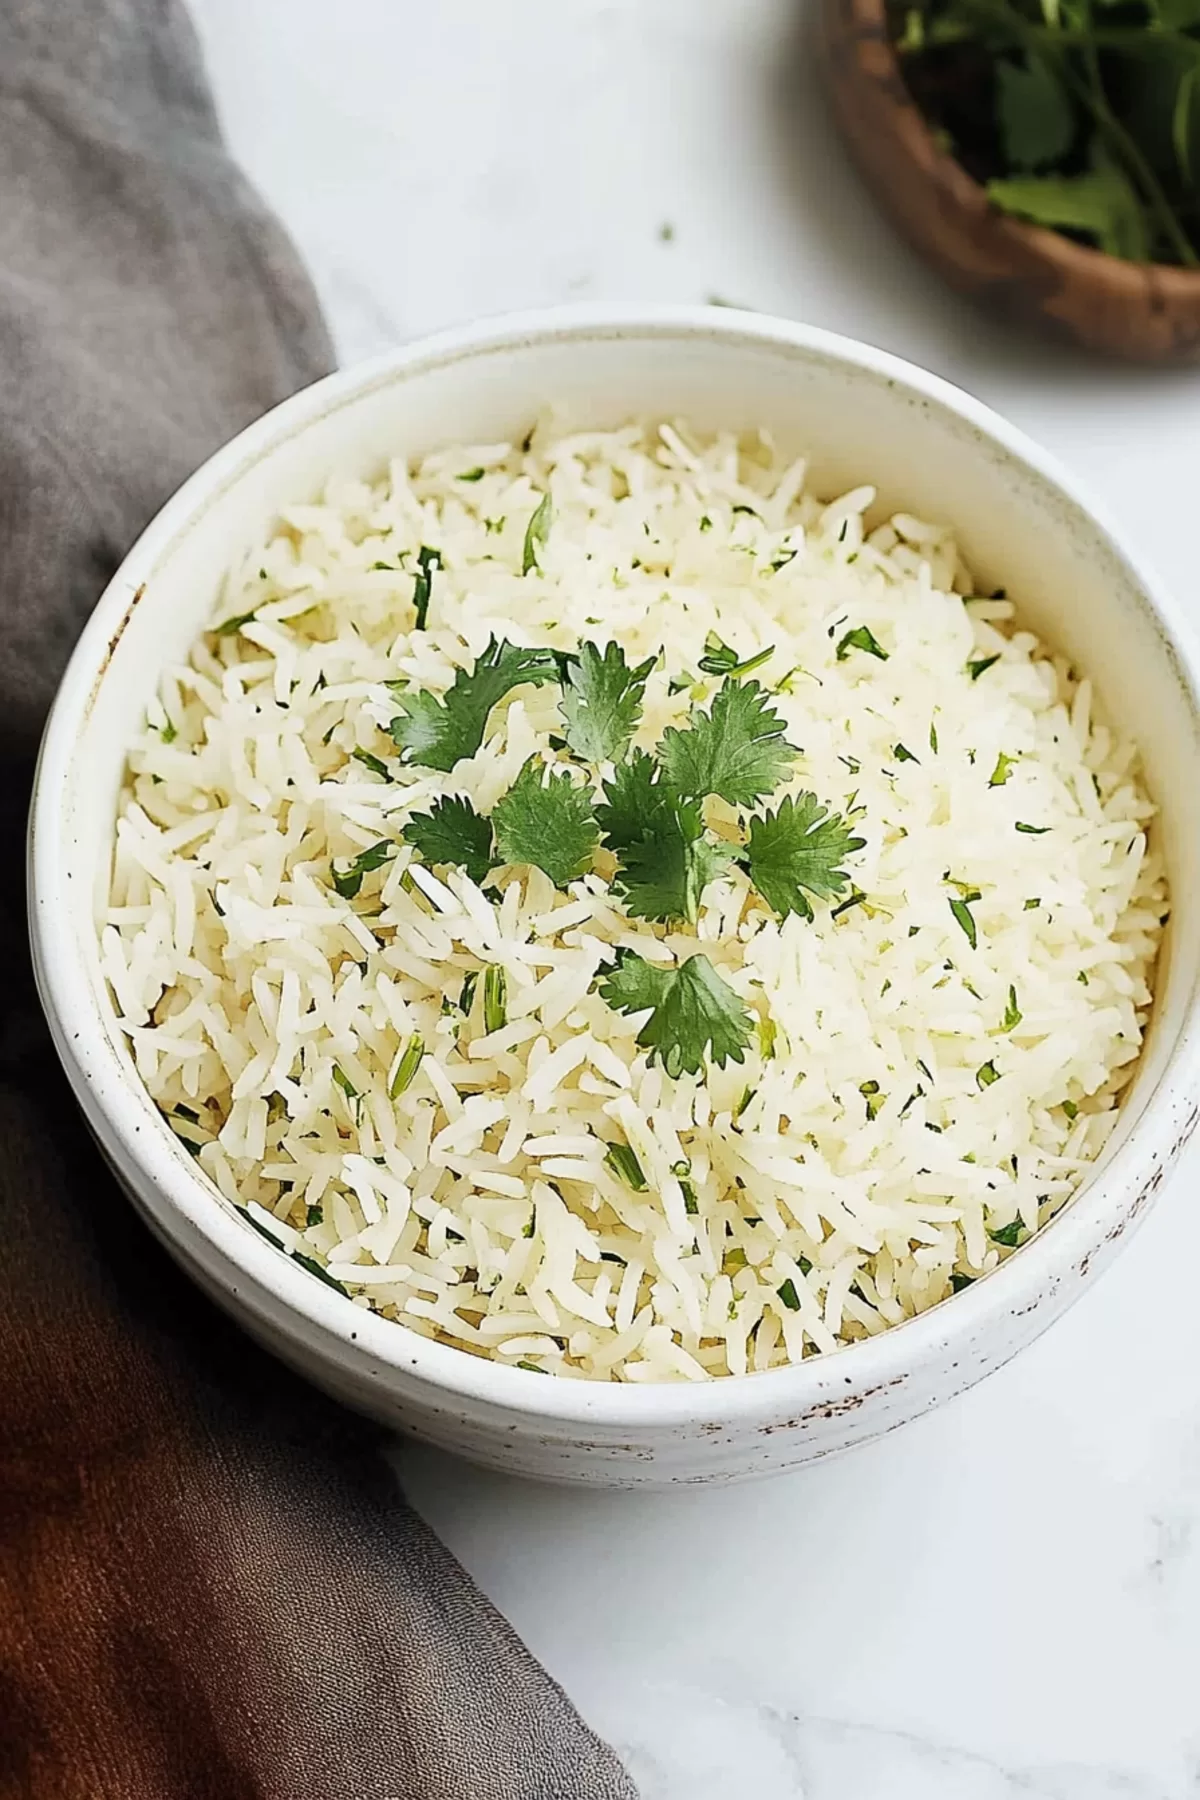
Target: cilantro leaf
{"points": [[737, 749], [427, 561], [536, 533], [665, 859], [231, 627], [861, 638], [452, 832], [602, 701], [546, 820], [1036, 119], [438, 733], [692, 1011], [663, 873], [797, 850], [635, 801], [1101, 204], [350, 880], [1012, 1012]]}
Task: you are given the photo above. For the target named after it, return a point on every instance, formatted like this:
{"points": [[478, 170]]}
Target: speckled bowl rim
{"points": [[181, 1204]]}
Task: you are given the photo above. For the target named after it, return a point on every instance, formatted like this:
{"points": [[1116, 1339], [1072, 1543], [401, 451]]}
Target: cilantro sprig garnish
{"points": [[798, 850], [546, 819], [693, 1011], [602, 702], [438, 733], [648, 816], [663, 873], [736, 749], [452, 832], [665, 859]]}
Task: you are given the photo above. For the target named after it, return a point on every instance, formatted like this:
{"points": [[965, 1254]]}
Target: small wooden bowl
{"points": [[1145, 312]]}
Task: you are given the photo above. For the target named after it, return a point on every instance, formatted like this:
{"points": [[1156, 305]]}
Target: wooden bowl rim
{"points": [[869, 33]]}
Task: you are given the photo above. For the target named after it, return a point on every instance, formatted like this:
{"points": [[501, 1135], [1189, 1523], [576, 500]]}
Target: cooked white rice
{"points": [[901, 1136]]}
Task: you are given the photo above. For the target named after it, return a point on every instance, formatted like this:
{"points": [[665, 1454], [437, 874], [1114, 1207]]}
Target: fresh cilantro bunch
{"points": [[1083, 116], [647, 812]]}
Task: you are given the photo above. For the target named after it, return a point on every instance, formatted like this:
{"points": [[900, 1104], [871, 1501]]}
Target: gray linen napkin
{"points": [[209, 1587]]}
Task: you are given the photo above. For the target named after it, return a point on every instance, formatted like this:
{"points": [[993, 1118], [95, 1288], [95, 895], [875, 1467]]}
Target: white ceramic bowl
{"points": [[862, 416]]}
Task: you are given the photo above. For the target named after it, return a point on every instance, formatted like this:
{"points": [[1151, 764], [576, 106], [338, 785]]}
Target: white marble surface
{"points": [[1004, 1600]]}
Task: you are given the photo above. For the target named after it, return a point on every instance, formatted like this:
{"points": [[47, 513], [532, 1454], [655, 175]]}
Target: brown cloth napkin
{"points": [[209, 1587]]}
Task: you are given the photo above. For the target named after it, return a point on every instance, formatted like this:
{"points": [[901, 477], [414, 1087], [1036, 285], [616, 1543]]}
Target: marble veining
{"points": [[1001, 1602]]}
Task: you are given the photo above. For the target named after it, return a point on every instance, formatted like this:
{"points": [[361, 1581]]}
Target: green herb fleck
{"points": [[376, 765], [427, 561], [986, 1074], [720, 659], [320, 1271], [861, 638], [981, 665], [1012, 1012], [962, 912], [495, 998], [1000, 774], [230, 627], [536, 534], [626, 1167], [349, 881]]}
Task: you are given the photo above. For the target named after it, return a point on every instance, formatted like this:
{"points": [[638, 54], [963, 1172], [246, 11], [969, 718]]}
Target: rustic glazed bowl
{"points": [[862, 416], [1146, 312]]}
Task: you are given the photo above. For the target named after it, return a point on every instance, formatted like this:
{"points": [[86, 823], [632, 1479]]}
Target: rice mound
{"points": [[893, 1132]]}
